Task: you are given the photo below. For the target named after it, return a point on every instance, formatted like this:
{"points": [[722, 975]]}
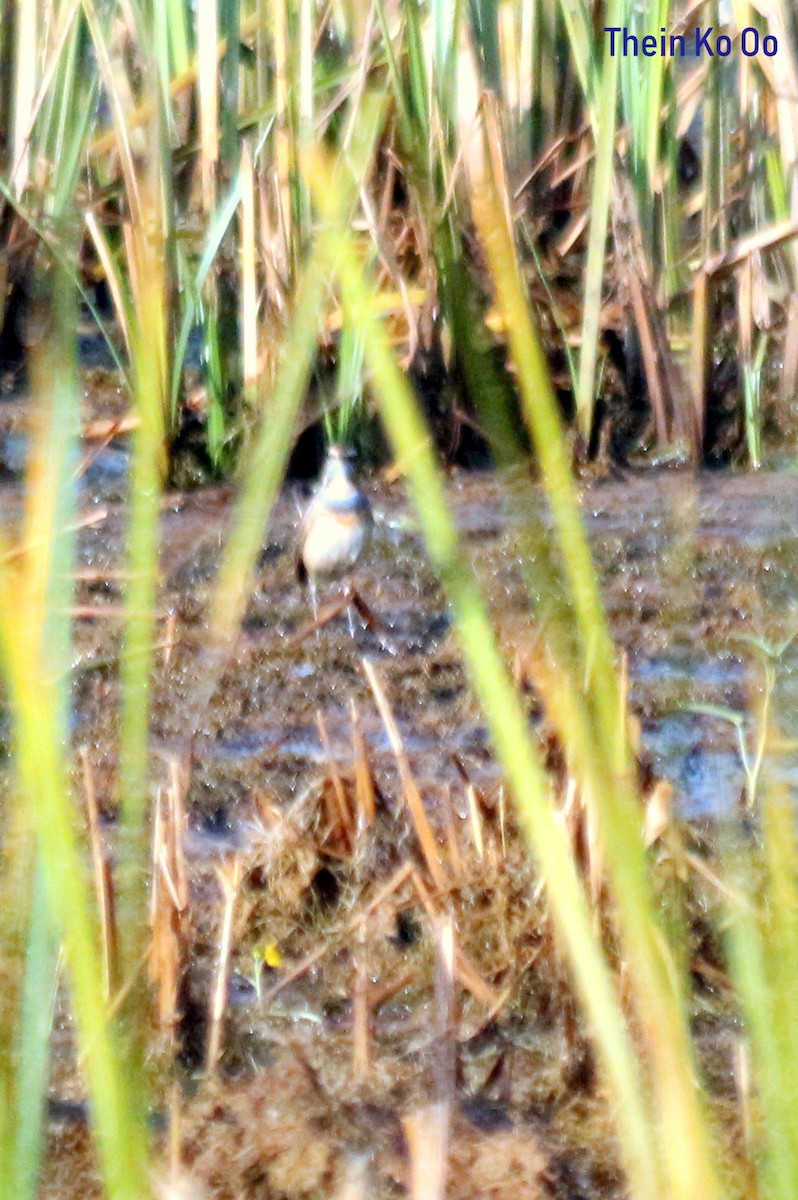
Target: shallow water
{"points": [[694, 569]]}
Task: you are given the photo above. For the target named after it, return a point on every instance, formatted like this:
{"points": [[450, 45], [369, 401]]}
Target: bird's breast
{"points": [[333, 541]]}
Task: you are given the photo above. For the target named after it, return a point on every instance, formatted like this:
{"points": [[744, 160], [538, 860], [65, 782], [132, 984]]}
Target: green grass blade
{"points": [[33, 1051], [596, 733], [507, 724], [269, 453], [601, 194], [35, 602]]}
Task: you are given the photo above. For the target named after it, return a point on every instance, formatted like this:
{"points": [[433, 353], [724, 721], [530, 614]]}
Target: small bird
{"points": [[335, 524]]}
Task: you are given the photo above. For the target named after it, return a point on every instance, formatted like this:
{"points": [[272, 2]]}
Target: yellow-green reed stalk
{"points": [[207, 39], [578, 21], [265, 467], [284, 147], [147, 469], [603, 115], [19, 866], [249, 282], [504, 712], [29, 953], [62, 108], [175, 19], [340, 424], [763, 938], [714, 208], [643, 88], [24, 1110], [781, 155], [148, 194], [596, 734], [263, 62], [148, 465], [35, 633], [304, 124], [5, 100], [752, 362], [27, 61], [542, 416], [266, 461]]}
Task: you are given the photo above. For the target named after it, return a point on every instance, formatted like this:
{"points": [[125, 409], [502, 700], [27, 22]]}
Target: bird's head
{"points": [[337, 475]]}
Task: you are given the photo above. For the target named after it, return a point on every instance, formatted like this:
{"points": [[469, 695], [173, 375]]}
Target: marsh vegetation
{"points": [[496, 896]]}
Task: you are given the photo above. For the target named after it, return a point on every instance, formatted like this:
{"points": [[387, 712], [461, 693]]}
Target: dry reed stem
{"points": [[104, 439], [445, 1014], [111, 275], [415, 804], [91, 612], [169, 901], [361, 1034], [698, 346], [466, 973], [175, 1142], [84, 521], [744, 1086], [353, 1183], [105, 429], [455, 857], [275, 287], [344, 816], [230, 877], [365, 795], [469, 977], [732, 894], [103, 882], [310, 960], [170, 640], [658, 818], [768, 238], [325, 614], [427, 1133], [475, 821], [99, 575], [379, 994]]}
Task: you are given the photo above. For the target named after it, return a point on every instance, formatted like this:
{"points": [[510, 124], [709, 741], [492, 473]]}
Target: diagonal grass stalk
{"points": [[764, 962], [597, 734], [505, 717], [32, 1051], [265, 468], [35, 652]]}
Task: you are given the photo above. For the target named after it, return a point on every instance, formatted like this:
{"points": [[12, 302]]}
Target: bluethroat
{"points": [[335, 523]]}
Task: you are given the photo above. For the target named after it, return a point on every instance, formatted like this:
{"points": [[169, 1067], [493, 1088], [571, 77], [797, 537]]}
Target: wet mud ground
{"points": [[694, 570]]}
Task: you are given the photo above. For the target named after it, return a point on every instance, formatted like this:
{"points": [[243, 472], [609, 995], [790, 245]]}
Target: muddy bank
{"points": [[694, 572], [330, 913]]}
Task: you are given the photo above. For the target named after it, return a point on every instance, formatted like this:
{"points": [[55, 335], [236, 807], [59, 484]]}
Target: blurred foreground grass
{"points": [[269, 180]]}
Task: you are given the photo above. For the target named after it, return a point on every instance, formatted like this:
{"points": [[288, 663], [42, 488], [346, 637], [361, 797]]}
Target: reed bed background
{"points": [[588, 254]]}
